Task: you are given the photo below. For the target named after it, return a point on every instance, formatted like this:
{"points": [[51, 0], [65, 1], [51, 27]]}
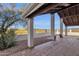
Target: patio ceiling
{"points": [[70, 15], [68, 11]]}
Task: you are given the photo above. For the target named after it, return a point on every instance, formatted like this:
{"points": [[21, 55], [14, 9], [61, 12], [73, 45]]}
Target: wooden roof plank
{"points": [[71, 14]]}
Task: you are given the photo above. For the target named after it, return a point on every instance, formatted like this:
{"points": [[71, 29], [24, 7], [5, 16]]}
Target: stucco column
{"points": [[65, 30], [30, 32], [61, 28], [52, 28]]}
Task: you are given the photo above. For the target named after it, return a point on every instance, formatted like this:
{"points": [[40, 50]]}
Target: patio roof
{"points": [[70, 15], [67, 11]]}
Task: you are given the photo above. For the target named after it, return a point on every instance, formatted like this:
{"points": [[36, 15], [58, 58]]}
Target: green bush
{"points": [[7, 39]]}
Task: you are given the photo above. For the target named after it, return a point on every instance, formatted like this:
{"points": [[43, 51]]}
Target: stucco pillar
{"points": [[61, 28], [30, 32], [52, 28], [65, 30]]}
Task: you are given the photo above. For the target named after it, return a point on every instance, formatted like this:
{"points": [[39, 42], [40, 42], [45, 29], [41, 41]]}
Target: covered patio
{"points": [[68, 16], [48, 44]]}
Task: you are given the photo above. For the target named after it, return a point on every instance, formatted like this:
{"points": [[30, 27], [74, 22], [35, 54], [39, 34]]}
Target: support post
{"points": [[61, 28], [65, 30], [30, 32], [52, 29]]}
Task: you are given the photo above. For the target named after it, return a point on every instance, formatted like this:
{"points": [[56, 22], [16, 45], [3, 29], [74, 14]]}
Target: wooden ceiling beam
{"points": [[44, 10], [70, 16], [73, 25], [52, 6]]}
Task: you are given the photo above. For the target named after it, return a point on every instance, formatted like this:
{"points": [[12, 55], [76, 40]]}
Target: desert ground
{"points": [[45, 46]]}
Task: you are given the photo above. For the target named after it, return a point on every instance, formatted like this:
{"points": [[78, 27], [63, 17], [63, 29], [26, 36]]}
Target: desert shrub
{"points": [[7, 39], [8, 17]]}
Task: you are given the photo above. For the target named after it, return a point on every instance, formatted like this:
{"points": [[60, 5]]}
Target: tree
{"points": [[8, 17]]}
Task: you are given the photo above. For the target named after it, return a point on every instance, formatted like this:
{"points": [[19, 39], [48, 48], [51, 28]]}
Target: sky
{"points": [[43, 21], [20, 5]]}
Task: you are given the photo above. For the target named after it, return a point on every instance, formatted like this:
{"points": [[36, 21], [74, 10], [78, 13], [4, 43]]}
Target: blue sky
{"points": [[43, 21], [19, 5]]}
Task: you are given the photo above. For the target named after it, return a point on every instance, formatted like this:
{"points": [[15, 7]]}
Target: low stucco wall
{"points": [[70, 33], [25, 32]]}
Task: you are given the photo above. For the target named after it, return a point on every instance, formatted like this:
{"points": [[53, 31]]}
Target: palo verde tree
{"points": [[9, 15]]}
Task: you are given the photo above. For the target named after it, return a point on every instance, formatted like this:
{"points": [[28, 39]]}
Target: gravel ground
{"points": [[66, 46], [22, 45]]}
